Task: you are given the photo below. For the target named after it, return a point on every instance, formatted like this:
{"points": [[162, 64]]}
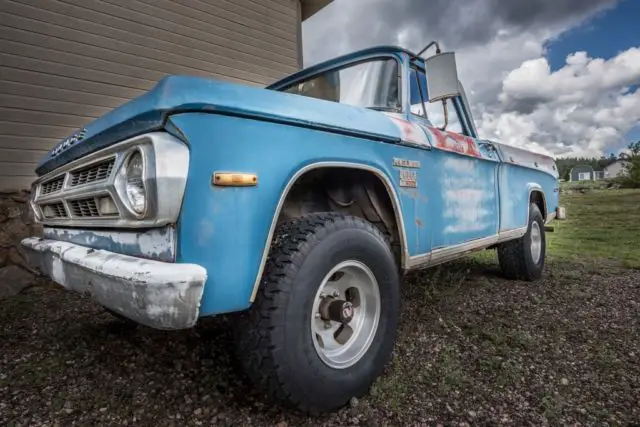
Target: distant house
{"points": [[615, 169], [582, 173]]}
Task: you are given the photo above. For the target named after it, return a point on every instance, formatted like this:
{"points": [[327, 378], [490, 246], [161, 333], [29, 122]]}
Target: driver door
{"points": [[462, 181]]}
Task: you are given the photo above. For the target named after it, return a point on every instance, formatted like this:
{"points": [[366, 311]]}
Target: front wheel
{"points": [[323, 324], [524, 258]]}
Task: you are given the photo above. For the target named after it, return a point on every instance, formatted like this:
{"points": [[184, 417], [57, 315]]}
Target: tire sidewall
{"points": [[305, 364], [535, 268]]}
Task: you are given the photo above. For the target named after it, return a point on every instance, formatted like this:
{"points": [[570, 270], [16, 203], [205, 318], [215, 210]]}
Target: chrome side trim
{"points": [[385, 180], [167, 161], [418, 261], [515, 233], [440, 256]]}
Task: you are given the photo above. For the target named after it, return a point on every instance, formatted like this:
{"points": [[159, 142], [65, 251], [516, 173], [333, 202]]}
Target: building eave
{"points": [[311, 7]]}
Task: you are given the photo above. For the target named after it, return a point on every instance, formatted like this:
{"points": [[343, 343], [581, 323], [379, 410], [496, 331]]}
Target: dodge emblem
{"points": [[68, 142]]}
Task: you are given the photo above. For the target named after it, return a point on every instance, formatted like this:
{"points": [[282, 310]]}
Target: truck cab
{"points": [[296, 207]]}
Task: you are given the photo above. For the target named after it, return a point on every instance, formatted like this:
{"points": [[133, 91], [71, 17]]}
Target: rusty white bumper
{"points": [[158, 294]]}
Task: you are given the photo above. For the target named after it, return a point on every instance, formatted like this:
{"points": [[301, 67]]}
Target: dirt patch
{"points": [[473, 349]]}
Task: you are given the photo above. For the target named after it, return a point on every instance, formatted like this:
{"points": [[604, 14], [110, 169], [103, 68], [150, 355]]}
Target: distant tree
{"points": [[631, 178]]}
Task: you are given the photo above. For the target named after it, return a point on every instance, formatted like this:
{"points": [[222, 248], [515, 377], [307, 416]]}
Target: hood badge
{"points": [[68, 142]]}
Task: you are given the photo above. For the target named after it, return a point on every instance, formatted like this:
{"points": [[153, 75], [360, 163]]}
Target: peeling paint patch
{"points": [[467, 200], [156, 243], [57, 271]]}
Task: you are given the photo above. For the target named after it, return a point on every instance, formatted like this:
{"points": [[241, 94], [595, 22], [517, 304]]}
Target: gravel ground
{"points": [[473, 349]]}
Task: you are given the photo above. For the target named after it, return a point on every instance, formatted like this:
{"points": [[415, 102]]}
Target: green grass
{"points": [[577, 185], [600, 224]]}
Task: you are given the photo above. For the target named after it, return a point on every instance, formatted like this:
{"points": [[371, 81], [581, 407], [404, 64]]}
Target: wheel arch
{"points": [[300, 174], [537, 196]]}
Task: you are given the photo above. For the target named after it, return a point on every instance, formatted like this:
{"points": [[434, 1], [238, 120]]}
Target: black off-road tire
{"points": [[274, 338], [515, 257]]}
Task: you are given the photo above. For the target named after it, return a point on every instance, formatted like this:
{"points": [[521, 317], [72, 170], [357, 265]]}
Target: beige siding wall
{"points": [[64, 63]]}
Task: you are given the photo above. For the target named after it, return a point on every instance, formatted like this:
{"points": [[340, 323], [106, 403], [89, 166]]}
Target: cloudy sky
{"points": [[555, 76]]}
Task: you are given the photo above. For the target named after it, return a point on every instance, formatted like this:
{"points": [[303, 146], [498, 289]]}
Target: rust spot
{"points": [[419, 223], [414, 194]]}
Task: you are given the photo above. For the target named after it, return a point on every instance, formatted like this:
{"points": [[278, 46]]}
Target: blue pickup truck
{"points": [[297, 207]]}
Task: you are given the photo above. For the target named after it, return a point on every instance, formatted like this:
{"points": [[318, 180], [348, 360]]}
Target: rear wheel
{"points": [[323, 324], [524, 258]]}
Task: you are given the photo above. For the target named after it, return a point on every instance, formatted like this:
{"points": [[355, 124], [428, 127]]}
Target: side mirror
{"points": [[442, 76]]}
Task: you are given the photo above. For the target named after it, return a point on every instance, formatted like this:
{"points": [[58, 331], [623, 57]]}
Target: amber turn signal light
{"points": [[234, 179]]}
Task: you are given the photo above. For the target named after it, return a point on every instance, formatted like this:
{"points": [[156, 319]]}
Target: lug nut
{"points": [[327, 325]]}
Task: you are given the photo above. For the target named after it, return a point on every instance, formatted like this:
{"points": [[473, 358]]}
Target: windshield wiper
{"points": [[392, 109]]}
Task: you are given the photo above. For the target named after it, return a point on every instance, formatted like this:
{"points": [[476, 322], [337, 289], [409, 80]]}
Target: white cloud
{"points": [[583, 108]]}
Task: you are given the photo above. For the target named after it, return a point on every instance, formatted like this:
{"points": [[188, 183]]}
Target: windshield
{"points": [[371, 84]]}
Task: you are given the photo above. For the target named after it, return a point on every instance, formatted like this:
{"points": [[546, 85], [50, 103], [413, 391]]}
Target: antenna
{"points": [[428, 46]]}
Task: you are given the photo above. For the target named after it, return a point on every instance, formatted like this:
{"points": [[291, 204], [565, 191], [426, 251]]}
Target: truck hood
{"points": [[176, 94]]}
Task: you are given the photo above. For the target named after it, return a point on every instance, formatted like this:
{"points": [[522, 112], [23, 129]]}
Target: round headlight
{"points": [[135, 183]]}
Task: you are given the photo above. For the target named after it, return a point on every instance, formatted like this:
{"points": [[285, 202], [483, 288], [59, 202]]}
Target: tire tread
{"points": [[512, 254], [256, 340]]}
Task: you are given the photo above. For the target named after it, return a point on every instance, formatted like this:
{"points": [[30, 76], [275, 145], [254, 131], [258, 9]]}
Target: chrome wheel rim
{"points": [[536, 242], [349, 291]]}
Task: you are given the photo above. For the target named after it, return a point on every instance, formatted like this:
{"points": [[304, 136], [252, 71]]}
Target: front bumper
{"points": [[157, 294]]}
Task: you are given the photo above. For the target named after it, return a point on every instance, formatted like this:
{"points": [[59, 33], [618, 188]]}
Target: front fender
{"points": [[227, 230]]}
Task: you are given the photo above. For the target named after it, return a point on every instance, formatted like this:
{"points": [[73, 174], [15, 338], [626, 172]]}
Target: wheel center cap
{"points": [[337, 310], [347, 312]]}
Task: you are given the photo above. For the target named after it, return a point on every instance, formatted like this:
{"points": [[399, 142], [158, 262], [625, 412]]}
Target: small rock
{"points": [[13, 280], [472, 414], [353, 402], [103, 409], [282, 424], [564, 381], [197, 411]]}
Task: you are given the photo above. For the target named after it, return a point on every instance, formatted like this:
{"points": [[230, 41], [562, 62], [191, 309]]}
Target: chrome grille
{"points": [[93, 173], [52, 185], [84, 208], [54, 210]]}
